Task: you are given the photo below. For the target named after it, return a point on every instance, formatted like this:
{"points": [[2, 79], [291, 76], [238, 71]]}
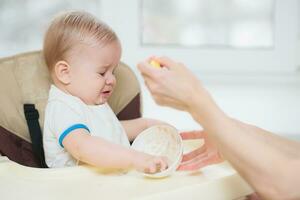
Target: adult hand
{"points": [[172, 85], [205, 155]]}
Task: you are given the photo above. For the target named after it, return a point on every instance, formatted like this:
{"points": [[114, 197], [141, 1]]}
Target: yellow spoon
{"points": [[155, 64]]}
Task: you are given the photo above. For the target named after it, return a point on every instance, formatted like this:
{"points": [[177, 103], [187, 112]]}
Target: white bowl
{"points": [[161, 140]]}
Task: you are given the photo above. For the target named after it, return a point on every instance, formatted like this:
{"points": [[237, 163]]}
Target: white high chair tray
{"points": [[218, 182]]}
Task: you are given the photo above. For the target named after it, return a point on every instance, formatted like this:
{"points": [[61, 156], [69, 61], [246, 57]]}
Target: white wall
{"points": [[274, 107]]}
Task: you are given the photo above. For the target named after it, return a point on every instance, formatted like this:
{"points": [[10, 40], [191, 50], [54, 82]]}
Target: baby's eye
{"points": [[102, 73]]}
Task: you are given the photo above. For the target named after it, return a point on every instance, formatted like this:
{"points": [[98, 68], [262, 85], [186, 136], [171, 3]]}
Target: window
{"points": [[214, 23], [273, 53]]}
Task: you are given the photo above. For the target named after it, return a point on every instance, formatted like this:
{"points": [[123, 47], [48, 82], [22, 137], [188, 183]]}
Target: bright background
{"points": [[246, 52]]}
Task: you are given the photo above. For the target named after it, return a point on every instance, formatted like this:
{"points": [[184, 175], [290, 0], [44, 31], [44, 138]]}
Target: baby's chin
{"points": [[96, 102], [101, 101]]}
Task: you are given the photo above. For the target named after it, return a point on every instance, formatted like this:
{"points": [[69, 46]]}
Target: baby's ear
{"points": [[62, 72]]}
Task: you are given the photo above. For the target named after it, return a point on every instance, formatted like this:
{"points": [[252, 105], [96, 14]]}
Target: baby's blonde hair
{"points": [[70, 29]]}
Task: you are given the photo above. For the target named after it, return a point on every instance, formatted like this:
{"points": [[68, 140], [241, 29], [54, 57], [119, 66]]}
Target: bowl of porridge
{"points": [[161, 140]]}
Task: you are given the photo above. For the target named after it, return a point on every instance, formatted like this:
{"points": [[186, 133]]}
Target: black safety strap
{"points": [[32, 118]]}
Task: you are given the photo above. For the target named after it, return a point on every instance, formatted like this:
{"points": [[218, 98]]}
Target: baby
{"points": [[82, 53]]}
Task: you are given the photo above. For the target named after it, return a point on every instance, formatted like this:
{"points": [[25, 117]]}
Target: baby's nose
{"points": [[110, 79]]}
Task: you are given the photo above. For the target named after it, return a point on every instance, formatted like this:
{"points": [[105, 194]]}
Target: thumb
{"points": [[168, 63], [146, 69]]}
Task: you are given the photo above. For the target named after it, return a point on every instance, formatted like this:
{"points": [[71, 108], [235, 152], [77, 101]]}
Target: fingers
{"points": [[151, 84], [163, 163], [205, 161], [166, 62], [146, 70], [151, 58], [162, 60], [157, 165], [192, 135], [201, 161], [152, 76], [195, 165], [191, 155], [195, 159], [153, 168]]}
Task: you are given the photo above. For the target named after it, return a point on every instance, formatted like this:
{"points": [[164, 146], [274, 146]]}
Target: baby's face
{"points": [[92, 72]]}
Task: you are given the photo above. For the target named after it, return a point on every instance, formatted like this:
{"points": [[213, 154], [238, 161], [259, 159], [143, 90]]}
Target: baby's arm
{"points": [[136, 126], [102, 153]]}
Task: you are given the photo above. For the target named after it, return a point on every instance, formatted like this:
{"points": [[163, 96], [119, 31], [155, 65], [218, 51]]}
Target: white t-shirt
{"points": [[65, 113]]}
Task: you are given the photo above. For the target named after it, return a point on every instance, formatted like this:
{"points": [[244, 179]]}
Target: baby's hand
{"points": [[150, 164]]}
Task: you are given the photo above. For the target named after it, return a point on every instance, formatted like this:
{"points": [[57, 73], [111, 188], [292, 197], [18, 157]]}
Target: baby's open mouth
{"points": [[106, 93]]}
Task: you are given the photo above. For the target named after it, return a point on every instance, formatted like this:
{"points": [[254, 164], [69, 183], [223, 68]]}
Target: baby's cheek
{"points": [[114, 82]]}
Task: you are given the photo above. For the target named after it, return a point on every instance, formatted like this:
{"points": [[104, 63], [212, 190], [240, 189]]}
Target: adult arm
{"points": [[269, 163]]}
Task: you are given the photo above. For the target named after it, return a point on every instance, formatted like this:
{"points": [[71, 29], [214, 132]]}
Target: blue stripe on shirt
{"points": [[69, 130]]}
